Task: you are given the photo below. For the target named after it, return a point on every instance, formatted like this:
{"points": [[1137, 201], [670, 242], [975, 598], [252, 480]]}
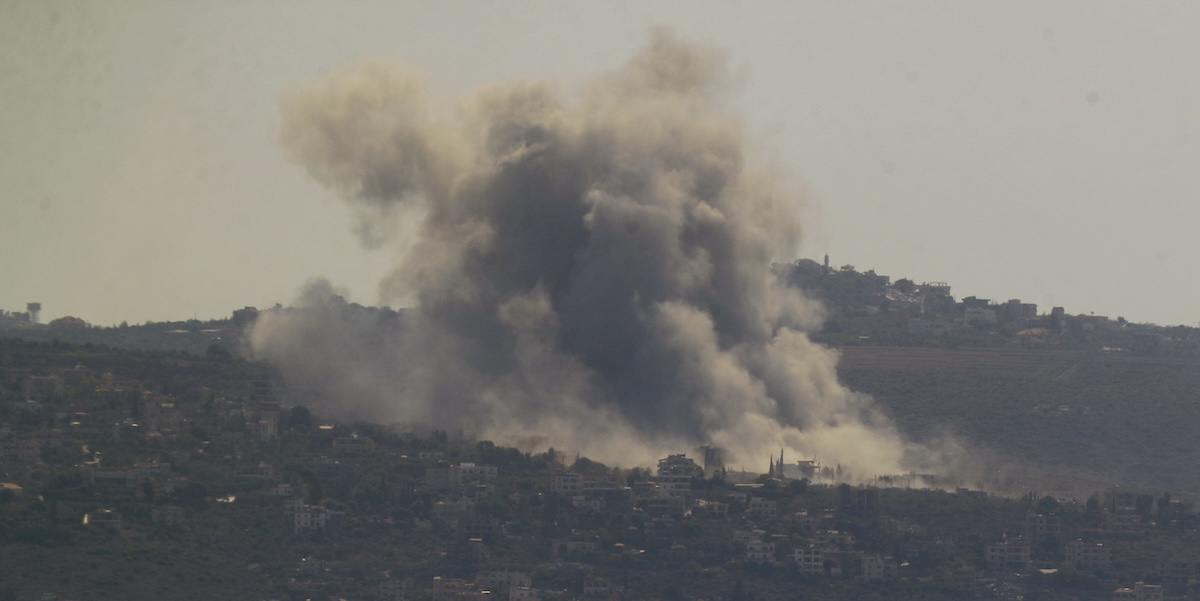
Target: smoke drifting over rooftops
{"points": [[590, 271]]}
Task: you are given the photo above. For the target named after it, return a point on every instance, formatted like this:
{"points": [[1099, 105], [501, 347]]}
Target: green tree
{"points": [[297, 418], [216, 352], [1047, 504], [1165, 513], [1145, 506], [584, 465], [192, 495], [798, 487], [312, 488]]}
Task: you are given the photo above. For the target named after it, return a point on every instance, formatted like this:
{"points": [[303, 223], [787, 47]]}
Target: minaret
{"points": [[826, 262]]}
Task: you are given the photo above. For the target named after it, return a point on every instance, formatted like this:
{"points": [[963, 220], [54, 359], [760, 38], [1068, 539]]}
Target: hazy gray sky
{"points": [[1033, 150]]}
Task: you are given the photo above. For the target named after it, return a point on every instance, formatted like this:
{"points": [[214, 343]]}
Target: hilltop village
{"points": [[862, 309], [866, 308], [139, 475]]}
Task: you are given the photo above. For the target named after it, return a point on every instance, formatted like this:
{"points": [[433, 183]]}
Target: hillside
{"points": [[1062, 400], [1098, 417], [132, 474]]}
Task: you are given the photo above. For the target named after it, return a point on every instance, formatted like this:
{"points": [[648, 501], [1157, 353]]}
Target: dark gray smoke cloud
{"points": [[590, 270]]}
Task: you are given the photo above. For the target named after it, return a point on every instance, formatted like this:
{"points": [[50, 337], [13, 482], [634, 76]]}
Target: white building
{"points": [[761, 508], [1088, 557], [596, 587], [501, 581], [453, 589], [455, 476], [1139, 592], [469, 472], [310, 518], [679, 465], [1008, 556], [760, 552], [810, 559], [572, 483], [875, 567], [566, 483], [746, 537], [1123, 523], [522, 593], [675, 486], [834, 538]]}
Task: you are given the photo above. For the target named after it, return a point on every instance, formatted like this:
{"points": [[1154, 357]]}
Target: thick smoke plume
{"points": [[591, 271]]}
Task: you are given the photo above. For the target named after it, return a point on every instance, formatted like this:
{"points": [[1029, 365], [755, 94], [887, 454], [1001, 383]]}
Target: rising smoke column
{"points": [[590, 270]]}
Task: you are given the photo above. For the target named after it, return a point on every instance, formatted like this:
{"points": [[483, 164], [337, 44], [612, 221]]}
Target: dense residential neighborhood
{"points": [[189, 477]]}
